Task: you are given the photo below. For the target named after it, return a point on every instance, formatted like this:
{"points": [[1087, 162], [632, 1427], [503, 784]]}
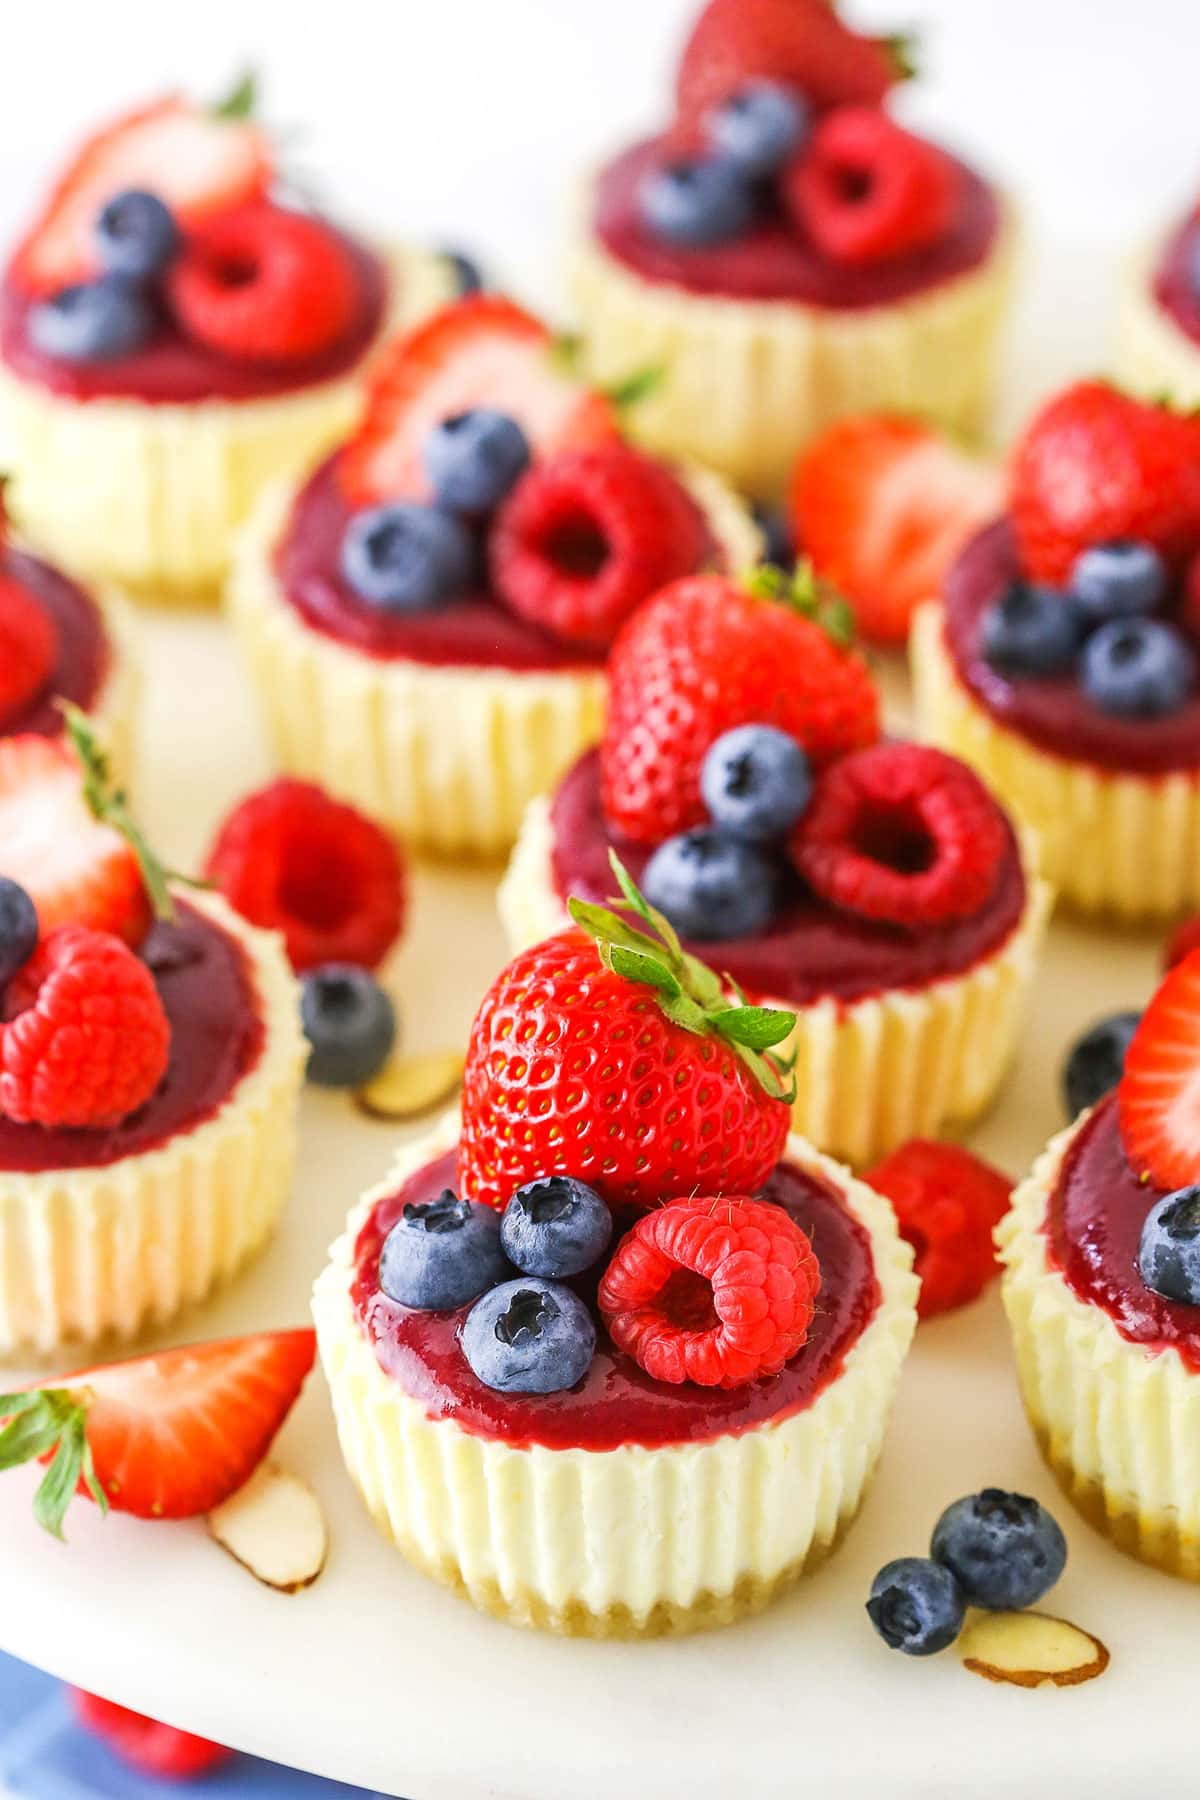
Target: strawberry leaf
{"points": [[38, 1422], [636, 387], [758, 1027], [636, 966], [241, 101]]}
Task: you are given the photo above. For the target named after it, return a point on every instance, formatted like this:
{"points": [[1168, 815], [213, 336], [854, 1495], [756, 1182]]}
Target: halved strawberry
{"points": [[482, 351], [882, 506], [76, 870], [200, 162], [162, 1437], [1158, 1097]]}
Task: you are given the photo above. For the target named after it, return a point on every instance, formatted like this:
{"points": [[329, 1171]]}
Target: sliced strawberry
{"points": [[482, 351], [162, 1437], [1158, 1097], [199, 162], [157, 1750], [76, 870], [882, 506]]}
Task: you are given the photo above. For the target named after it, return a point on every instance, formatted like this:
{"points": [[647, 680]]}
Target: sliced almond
{"points": [[408, 1086], [1030, 1649], [274, 1527]]}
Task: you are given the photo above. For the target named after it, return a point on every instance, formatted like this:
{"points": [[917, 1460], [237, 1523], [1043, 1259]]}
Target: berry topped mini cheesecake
{"points": [[427, 616], [1102, 1290], [1158, 343], [1062, 661], [150, 1063], [172, 335], [875, 889], [614, 1356], [787, 253]]}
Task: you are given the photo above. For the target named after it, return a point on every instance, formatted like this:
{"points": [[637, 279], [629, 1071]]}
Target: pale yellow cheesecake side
{"points": [[87, 1254], [149, 496], [629, 1542], [748, 383], [1153, 355], [447, 757], [1125, 844], [115, 708], [870, 1074], [1118, 1423]]}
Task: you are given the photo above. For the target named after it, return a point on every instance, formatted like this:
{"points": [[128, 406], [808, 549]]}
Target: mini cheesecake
{"points": [[623, 1506], [1158, 341], [104, 1232]]}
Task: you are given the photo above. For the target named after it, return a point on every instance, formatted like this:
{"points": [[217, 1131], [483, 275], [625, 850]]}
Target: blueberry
{"points": [[136, 235], [697, 202], [1138, 668], [916, 1606], [711, 885], [776, 528], [758, 128], [406, 558], [756, 782], [472, 459], [468, 276], [94, 321], [556, 1226], [1168, 1256], [529, 1337], [1004, 1550], [1118, 580], [1032, 631], [18, 928], [442, 1253], [349, 1022], [1097, 1060]]}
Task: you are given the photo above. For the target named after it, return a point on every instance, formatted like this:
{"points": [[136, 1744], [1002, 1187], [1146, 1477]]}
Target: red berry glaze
{"points": [[1097, 465], [588, 535], [292, 859], [28, 648], [1158, 1097], [572, 1069], [866, 190], [948, 1204], [263, 284], [701, 657], [85, 1039], [157, 1750], [715, 1291], [902, 832]]}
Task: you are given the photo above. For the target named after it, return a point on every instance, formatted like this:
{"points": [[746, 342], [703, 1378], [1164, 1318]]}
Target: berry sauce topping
{"points": [[173, 369], [773, 260], [216, 1039], [809, 950], [1176, 286], [82, 659], [475, 629], [617, 1402], [1054, 711], [1094, 1226]]}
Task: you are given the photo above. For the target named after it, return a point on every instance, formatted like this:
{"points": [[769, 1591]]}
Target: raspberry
{"points": [[294, 860], [864, 189], [587, 536], [947, 1204], [904, 833], [28, 648], [86, 1039], [159, 1751], [263, 284], [713, 1291]]}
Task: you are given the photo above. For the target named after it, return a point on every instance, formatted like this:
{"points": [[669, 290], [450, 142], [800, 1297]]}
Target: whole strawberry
{"points": [[1097, 466], [608, 1054], [708, 654]]}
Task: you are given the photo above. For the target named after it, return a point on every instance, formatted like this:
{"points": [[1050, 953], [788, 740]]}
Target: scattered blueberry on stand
{"points": [[916, 1606], [1168, 1257], [556, 1226], [711, 884], [758, 128], [1138, 668], [529, 1337], [442, 1253], [756, 782], [136, 235], [404, 557], [18, 928], [1004, 1550], [474, 458], [349, 1022], [468, 274], [1097, 1060]]}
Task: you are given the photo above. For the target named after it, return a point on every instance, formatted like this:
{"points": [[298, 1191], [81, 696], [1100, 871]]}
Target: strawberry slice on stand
{"points": [[484, 351], [200, 161], [167, 1436]]}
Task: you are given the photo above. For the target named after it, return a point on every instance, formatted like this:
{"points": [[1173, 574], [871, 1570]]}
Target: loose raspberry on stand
{"points": [[85, 1040], [157, 1750], [706, 655], [292, 859], [587, 536], [715, 1291], [28, 648], [904, 833], [865, 190], [264, 284], [947, 1203]]}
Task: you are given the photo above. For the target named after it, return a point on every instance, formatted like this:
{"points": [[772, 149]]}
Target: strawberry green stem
{"points": [[50, 1422], [241, 101], [804, 592]]}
